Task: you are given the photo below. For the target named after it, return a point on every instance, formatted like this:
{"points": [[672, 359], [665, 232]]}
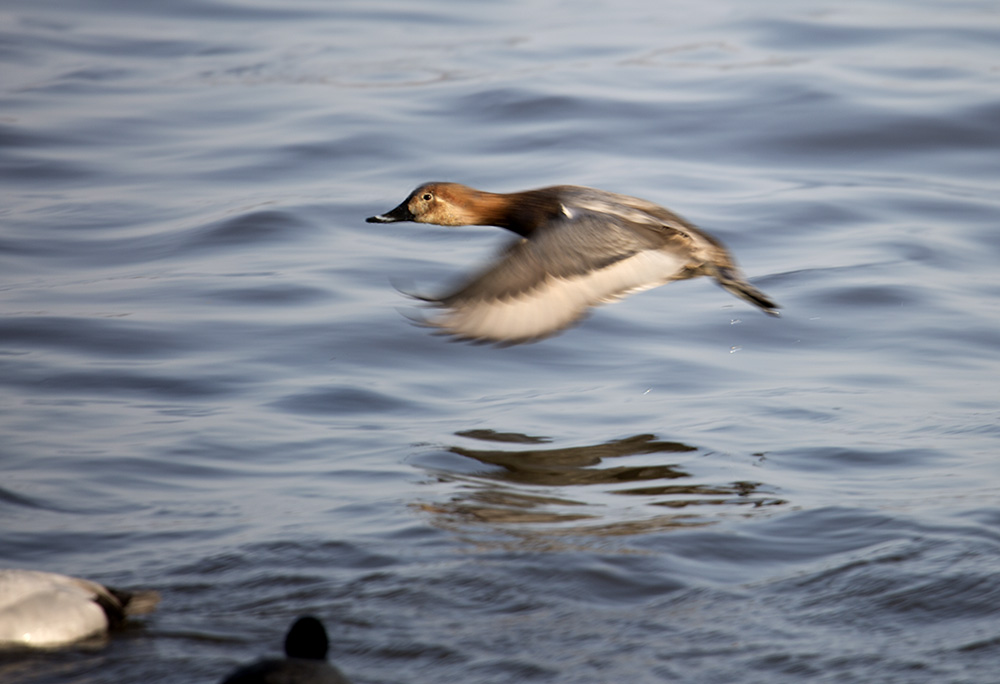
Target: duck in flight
{"points": [[578, 247]]}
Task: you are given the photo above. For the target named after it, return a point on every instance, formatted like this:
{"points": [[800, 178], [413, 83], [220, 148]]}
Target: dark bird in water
{"points": [[578, 247], [306, 645]]}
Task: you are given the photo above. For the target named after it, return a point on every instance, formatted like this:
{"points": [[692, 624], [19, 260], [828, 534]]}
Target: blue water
{"points": [[209, 385]]}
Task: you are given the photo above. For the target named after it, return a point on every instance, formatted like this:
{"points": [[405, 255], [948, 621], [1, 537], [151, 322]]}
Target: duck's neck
{"points": [[518, 212]]}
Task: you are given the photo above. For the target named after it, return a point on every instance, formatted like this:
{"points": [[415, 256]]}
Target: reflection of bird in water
{"points": [[558, 485], [580, 247], [572, 465], [43, 609], [306, 645]]}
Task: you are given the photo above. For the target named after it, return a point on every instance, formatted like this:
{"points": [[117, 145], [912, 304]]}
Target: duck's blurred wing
{"points": [[542, 285]]}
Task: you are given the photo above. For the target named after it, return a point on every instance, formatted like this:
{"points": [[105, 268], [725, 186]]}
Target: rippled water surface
{"points": [[209, 384]]}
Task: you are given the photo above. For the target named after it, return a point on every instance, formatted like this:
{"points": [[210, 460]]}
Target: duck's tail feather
{"points": [[733, 280], [118, 604]]}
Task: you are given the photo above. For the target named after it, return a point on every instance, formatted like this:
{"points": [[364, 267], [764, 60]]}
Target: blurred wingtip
{"points": [[142, 602]]}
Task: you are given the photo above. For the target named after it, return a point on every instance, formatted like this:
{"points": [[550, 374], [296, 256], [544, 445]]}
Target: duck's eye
{"points": [[427, 197]]}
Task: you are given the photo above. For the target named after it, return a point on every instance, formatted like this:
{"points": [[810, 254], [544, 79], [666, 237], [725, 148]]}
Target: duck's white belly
{"points": [[557, 302]]}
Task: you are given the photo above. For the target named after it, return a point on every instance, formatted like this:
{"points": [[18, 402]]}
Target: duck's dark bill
{"points": [[400, 213]]}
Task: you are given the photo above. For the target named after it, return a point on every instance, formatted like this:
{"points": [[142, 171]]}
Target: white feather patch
{"points": [[557, 302], [45, 609]]}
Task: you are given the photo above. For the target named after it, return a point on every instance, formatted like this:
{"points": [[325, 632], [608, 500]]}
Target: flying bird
{"points": [[578, 247]]}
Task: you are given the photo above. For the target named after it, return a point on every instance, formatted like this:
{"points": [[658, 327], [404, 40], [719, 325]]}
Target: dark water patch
{"points": [[538, 119], [827, 33], [195, 457], [14, 499], [871, 296], [512, 671], [956, 596], [128, 238], [416, 655], [961, 209], [519, 104], [103, 337], [299, 553], [881, 134], [176, 469], [985, 114], [814, 210], [98, 74], [987, 240], [317, 155], [615, 579], [49, 666], [115, 382], [445, 585], [269, 295], [796, 537], [253, 228], [21, 135], [203, 10], [927, 577], [989, 647], [874, 381], [130, 39], [860, 297], [987, 518], [835, 459], [933, 255], [967, 424], [28, 170], [344, 401], [146, 137], [102, 532]]}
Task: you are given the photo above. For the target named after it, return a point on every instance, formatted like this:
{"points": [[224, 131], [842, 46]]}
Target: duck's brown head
{"points": [[443, 204]]}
